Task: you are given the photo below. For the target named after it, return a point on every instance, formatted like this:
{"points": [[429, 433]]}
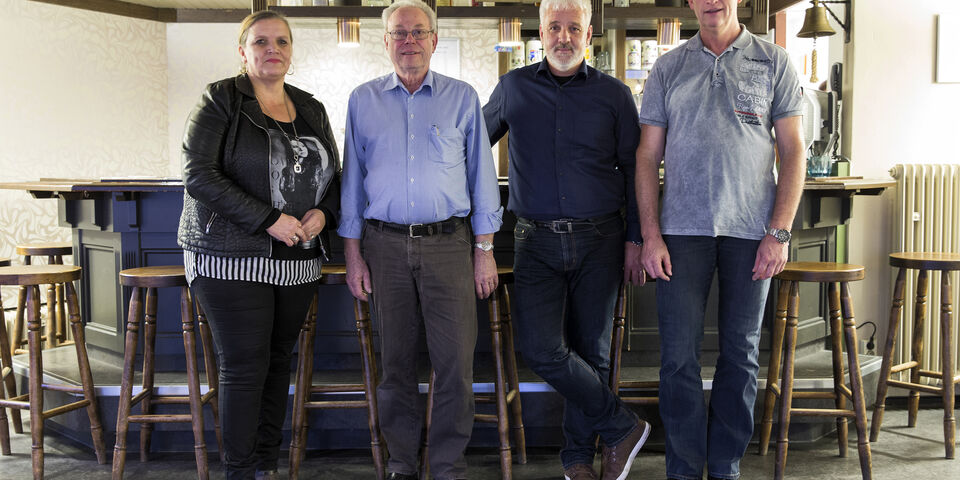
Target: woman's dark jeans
{"points": [[255, 326]]}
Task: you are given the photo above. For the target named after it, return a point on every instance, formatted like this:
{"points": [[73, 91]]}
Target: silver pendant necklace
{"points": [[298, 147]]}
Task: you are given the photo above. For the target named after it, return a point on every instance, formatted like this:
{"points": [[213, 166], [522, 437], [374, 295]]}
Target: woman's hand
{"points": [[288, 230], [313, 222]]}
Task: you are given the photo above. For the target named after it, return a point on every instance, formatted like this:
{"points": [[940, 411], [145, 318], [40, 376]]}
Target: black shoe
{"points": [[402, 476]]}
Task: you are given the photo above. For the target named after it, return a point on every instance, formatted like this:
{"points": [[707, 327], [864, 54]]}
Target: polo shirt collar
{"points": [[741, 42]]}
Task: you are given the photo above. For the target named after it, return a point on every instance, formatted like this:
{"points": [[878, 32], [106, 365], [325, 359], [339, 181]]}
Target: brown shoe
{"points": [[579, 471], [618, 458]]}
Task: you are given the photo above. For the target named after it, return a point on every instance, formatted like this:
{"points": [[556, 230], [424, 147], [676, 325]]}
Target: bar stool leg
{"points": [[362, 314], [428, 419], [301, 390], [149, 356], [836, 334], [516, 422], [126, 384], [86, 378], [503, 421], [6, 363], [61, 321], [892, 326], [920, 313], [19, 324], [35, 379], [9, 383], [213, 375], [50, 328], [856, 382], [773, 368], [946, 355], [193, 382], [786, 395]]}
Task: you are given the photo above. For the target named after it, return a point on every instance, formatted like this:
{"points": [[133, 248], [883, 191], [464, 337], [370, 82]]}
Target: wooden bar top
{"points": [[49, 187]]}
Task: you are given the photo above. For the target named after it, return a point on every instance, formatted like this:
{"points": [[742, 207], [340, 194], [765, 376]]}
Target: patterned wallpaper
{"points": [[90, 95], [201, 53], [84, 95]]}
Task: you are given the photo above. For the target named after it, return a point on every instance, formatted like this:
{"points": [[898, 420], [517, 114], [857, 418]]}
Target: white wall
{"points": [[894, 113], [84, 95]]}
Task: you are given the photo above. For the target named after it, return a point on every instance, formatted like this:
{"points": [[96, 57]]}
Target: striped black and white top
{"points": [[251, 269]]}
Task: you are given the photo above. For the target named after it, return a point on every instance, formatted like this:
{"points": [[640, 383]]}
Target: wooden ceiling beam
{"points": [[781, 5], [118, 7]]}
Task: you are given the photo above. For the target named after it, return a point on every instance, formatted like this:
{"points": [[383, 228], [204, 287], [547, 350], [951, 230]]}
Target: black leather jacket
{"points": [[226, 152]]}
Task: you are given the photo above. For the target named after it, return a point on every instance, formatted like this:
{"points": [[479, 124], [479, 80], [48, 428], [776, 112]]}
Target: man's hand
{"points": [[771, 258], [656, 259], [288, 230], [484, 273], [358, 275], [313, 222], [633, 272]]}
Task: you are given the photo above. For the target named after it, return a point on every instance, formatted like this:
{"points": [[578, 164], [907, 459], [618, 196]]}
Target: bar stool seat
{"points": [[506, 384], [837, 276], [945, 263], [56, 325], [29, 277], [150, 279], [304, 388]]}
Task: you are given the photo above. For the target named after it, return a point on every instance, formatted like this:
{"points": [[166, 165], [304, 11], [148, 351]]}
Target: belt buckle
{"points": [[411, 227], [561, 226]]}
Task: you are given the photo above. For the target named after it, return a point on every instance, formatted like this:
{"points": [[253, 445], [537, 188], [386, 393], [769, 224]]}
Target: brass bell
{"points": [[815, 22]]}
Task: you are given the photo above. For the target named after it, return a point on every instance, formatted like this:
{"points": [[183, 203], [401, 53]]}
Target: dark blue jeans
{"points": [[565, 289], [694, 438]]}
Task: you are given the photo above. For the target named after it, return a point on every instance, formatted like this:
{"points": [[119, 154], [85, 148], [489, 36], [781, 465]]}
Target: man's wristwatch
{"points": [[782, 235], [486, 246]]}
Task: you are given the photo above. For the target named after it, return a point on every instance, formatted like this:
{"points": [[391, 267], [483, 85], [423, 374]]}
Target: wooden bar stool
{"points": [[304, 387], [616, 356], [55, 332], [924, 262], [32, 276], [506, 384], [837, 276], [150, 279]]}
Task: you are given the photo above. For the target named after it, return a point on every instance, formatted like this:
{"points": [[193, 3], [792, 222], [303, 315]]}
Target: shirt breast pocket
{"points": [[449, 145]]}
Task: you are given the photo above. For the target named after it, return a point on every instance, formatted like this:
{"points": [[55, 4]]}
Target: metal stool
{"points": [[304, 389], [924, 262], [30, 277], [56, 325], [150, 279], [616, 356], [506, 384], [837, 275]]}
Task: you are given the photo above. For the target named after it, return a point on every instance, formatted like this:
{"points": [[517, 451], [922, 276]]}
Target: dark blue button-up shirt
{"points": [[572, 148]]}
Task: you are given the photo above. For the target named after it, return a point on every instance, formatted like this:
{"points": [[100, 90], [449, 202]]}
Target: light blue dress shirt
{"points": [[417, 158]]}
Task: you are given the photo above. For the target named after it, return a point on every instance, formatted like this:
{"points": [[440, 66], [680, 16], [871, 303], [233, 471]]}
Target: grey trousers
{"points": [[428, 281]]}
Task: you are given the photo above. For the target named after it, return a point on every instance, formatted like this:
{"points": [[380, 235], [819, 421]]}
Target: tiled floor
{"points": [[900, 453]]}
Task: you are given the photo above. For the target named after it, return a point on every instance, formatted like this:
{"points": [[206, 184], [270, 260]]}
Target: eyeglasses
{"points": [[418, 34]]}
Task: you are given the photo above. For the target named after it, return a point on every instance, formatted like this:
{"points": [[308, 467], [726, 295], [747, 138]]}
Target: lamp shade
{"points": [[348, 32], [509, 33]]}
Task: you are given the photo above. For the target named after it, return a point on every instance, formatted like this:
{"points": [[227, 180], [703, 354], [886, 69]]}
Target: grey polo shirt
{"points": [[719, 176]]}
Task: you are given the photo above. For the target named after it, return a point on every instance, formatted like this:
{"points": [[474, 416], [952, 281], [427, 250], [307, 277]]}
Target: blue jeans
{"points": [[565, 290], [693, 437]]}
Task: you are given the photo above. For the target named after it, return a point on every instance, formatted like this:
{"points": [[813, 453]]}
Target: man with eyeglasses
{"points": [[417, 162], [573, 134]]}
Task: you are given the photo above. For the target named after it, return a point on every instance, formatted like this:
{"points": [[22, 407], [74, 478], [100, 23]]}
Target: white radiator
{"points": [[927, 220]]}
